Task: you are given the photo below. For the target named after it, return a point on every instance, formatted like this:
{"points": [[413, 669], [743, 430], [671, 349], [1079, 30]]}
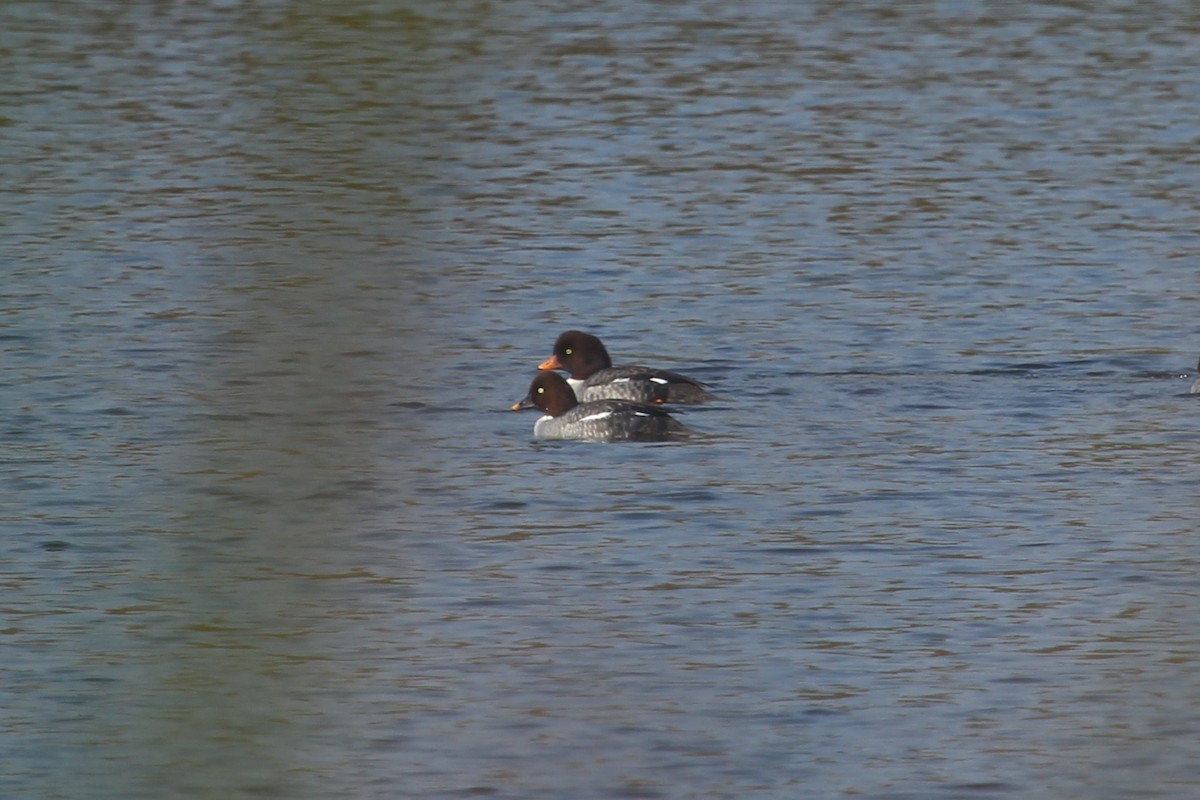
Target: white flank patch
{"points": [[597, 415], [662, 381]]}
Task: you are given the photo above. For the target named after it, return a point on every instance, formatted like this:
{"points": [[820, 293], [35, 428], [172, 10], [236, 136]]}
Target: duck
{"points": [[605, 420], [593, 376]]}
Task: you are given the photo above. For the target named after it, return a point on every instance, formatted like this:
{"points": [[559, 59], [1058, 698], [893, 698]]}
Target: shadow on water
{"points": [[256, 429]]}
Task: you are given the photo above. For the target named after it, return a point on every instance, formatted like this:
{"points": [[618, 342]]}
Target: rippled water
{"points": [[275, 272]]}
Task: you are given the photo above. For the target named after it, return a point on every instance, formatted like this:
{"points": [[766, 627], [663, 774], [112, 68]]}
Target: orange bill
{"points": [[551, 363]]}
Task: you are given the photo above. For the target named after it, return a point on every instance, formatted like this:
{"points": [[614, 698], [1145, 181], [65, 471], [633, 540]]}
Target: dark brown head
{"points": [[578, 353], [549, 392]]}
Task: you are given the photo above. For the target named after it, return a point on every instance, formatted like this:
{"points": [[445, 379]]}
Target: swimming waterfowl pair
{"points": [[600, 402]]}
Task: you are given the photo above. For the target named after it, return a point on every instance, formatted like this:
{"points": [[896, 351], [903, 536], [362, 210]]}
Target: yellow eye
{"points": [[541, 390], [568, 351]]}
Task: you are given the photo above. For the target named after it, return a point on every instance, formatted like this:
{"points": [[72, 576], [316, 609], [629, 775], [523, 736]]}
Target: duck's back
{"points": [[610, 420]]}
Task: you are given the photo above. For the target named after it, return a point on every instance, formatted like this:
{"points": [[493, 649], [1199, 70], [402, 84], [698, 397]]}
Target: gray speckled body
{"points": [[609, 421], [639, 385]]}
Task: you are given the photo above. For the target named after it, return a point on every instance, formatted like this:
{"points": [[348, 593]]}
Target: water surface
{"points": [[276, 271]]}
